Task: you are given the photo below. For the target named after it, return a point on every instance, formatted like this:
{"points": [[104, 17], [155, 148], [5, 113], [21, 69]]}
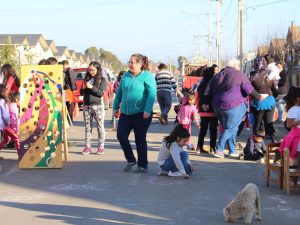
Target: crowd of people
{"points": [[222, 99]]}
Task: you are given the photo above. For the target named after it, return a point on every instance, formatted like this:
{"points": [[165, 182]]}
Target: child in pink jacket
{"points": [[12, 130], [187, 114]]}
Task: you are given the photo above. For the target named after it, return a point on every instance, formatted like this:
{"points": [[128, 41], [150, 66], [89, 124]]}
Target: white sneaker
{"points": [[248, 129], [234, 155], [162, 172], [175, 174]]}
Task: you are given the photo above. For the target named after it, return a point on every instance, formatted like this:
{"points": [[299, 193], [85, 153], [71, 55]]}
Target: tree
{"points": [[92, 51], [173, 68], [113, 59], [10, 55], [182, 59]]}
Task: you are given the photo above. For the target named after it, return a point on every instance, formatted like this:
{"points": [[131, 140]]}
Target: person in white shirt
{"points": [[271, 69]]}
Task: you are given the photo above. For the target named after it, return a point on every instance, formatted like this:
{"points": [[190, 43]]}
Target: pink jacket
{"points": [[291, 142], [186, 113], [14, 116]]}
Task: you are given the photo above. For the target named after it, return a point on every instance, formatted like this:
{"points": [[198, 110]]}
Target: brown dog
{"points": [[244, 201]]}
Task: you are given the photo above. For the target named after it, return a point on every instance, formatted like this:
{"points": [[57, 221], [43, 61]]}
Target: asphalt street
{"points": [[93, 189]]}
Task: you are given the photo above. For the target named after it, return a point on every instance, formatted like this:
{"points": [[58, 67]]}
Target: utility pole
{"points": [[170, 62], [210, 42], [240, 49], [218, 35]]}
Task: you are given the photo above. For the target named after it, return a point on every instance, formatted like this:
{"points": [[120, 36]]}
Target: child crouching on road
{"points": [[255, 148], [171, 157]]}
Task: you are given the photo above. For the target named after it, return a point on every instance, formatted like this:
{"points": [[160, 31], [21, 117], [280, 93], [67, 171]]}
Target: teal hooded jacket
{"points": [[136, 93]]}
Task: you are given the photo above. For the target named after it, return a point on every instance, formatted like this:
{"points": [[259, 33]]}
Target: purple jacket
{"points": [[228, 89], [116, 86], [4, 114]]}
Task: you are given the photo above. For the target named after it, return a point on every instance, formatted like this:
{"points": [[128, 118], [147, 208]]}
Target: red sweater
{"points": [[11, 85]]}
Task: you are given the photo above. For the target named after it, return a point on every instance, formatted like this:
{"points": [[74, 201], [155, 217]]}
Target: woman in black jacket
{"points": [[93, 89], [282, 91], [264, 110], [207, 117]]}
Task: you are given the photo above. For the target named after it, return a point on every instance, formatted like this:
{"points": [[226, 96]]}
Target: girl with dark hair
{"points": [[117, 82], [93, 89], [4, 110], [292, 140], [116, 86], [171, 157], [208, 117], [12, 130], [10, 78], [136, 94]]}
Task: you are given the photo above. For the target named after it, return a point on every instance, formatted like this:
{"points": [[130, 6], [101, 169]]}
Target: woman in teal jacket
{"points": [[136, 94]]}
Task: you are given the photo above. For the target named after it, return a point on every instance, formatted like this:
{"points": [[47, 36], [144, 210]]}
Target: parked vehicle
{"points": [[192, 73], [108, 97], [112, 77]]}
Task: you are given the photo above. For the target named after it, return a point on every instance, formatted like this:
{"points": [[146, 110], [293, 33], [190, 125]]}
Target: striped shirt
{"points": [[165, 81]]}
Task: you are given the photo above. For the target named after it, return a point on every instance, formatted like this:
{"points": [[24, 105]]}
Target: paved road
{"points": [[92, 189]]}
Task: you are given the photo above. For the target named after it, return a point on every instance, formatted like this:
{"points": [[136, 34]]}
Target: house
{"points": [[21, 44], [87, 61], [80, 61], [51, 49], [36, 49], [277, 48], [262, 50], [74, 58], [293, 36], [63, 53]]}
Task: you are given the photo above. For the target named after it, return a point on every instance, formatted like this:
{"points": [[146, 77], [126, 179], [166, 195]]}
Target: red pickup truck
{"points": [[108, 97]]}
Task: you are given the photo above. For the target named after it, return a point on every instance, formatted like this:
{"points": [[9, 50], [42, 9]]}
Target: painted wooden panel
{"points": [[41, 117]]}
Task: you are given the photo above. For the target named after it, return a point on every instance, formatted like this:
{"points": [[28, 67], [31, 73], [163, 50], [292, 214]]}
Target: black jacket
{"points": [[93, 96], [200, 92], [282, 88], [70, 80]]}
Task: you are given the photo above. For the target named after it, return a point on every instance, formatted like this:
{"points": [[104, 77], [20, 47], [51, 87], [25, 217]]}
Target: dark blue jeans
{"points": [[169, 164], [164, 99], [140, 127]]}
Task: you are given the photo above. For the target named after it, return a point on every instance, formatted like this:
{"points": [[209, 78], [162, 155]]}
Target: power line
{"points": [[271, 3], [227, 11]]}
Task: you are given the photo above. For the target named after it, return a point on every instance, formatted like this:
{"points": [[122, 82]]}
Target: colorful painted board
{"points": [[41, 117]]}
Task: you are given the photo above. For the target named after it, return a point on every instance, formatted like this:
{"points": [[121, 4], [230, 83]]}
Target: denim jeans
{"points": [[164, 99], [230, 120], [279, 106], [169, 164], [140, 127]]}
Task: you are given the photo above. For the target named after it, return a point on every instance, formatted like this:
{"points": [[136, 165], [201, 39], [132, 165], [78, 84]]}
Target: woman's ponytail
{"points": [[143, 59], [145, 65]]}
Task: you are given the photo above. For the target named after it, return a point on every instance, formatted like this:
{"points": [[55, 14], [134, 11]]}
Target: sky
{"points": [[152, 28]]}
